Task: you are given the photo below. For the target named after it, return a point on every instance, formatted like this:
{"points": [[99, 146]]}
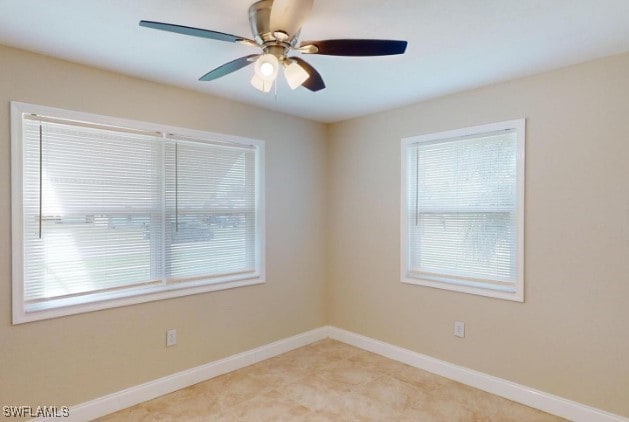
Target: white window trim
{"points": [[519, 126], [139, 295]]}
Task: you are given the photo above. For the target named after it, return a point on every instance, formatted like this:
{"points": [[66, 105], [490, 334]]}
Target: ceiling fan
{"points": [[276, 25]]}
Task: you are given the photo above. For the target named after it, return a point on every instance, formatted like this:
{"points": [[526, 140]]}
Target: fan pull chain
{"points": [[275, 90]]}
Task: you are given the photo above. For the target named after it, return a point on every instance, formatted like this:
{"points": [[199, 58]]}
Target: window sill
{"points": [[514, 294], [100, 301]]}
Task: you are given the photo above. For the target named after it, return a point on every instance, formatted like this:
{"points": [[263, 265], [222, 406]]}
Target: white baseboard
{"points": [[519, 393], [131, 396]]}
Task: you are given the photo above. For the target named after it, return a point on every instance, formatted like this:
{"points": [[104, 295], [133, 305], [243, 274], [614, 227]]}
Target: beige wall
{"points": [[73, 359], [570, 337]]}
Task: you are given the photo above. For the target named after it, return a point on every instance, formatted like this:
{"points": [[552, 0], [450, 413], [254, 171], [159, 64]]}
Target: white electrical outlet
{"points": [[171, 338], [459, 329]]}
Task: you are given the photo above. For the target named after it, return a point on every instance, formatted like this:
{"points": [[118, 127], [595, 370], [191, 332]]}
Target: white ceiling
{"points": [[453, 44]]}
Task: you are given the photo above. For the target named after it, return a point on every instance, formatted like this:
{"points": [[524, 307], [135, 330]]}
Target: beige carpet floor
{"points": [[329, 381]]}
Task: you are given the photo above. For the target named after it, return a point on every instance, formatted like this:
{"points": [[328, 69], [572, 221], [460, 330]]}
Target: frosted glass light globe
{"points": [[266, 69]]}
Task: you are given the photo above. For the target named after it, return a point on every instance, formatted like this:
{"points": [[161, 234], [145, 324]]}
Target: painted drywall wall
{"points": [[73, 359], [569, 337]]}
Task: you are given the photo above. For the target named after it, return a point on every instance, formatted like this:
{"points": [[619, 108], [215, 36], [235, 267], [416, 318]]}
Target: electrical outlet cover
{"points": [[171, 338], [459, 329]]}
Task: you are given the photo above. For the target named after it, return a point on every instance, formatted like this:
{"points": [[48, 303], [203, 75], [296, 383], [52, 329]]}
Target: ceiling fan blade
{"points": [[289, 15], [355, 48], [228, 68], [315, 81], [196, 32]]}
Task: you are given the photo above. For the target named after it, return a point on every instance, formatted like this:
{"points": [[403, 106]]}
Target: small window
{"points": [[108, 212], [462, 210]]}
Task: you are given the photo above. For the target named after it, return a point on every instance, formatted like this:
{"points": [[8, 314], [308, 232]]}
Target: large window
{"points": [[462, 210], [109, 212]]}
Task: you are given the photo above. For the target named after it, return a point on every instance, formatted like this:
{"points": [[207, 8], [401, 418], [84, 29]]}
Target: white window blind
{"points": [[110, 213], [211, 210], [463, 211], [100, 199]]}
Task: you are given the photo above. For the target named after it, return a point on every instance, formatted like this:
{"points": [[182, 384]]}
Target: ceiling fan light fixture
{"points": [[267, 67], [295, 74]]}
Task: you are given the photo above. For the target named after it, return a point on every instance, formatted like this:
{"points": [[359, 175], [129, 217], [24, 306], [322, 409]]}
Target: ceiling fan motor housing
{"points": [[264, 35]]}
